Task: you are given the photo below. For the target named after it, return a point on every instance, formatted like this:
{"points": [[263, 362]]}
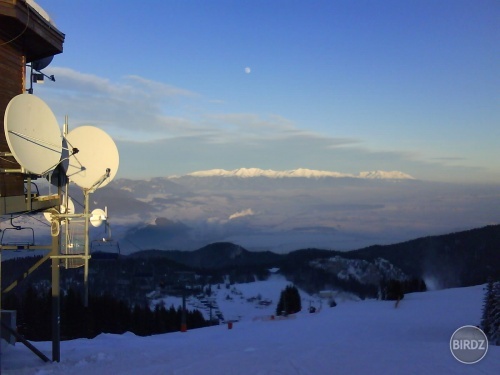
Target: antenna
{"points": [[105, 248], [62, 210], [32, 133], [97, 217], [36, 74], [96, 161]]}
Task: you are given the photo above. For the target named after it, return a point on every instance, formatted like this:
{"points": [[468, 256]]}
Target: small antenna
{"points": [[36, 74], [97, 217]]}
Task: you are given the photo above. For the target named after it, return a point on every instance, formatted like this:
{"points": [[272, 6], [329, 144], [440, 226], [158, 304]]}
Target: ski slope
{"points": [[364, 337], [240, 302]]}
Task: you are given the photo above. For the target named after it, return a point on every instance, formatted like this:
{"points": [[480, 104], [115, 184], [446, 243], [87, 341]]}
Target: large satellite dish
{"points": [[96, 155], [32, 133]]}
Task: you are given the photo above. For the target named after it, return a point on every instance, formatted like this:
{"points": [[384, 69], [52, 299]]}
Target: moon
{"points": [[248, 70]]}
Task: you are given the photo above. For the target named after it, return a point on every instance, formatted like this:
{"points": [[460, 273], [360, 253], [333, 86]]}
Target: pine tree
{"points": [[391, 290], [489, 300], [495, 315], [289, 302]]}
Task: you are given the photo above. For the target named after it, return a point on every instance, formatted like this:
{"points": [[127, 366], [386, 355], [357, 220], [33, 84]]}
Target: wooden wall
{"points": [[11, 84], [25, 36]]}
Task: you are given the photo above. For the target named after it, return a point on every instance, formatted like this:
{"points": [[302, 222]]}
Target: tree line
{"points": [[104, 314]]}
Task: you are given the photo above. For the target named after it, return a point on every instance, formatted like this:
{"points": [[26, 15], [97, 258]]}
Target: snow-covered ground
{"points": [[366, 337], [240, 302]]}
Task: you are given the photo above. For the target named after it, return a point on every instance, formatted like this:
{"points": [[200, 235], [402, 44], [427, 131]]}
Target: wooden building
{"points": [[26, 35]]}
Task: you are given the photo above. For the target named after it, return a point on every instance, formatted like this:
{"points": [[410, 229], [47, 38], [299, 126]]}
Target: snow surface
{"points": [[366, 337], [40, 11], [300, 172], [239, 302]]}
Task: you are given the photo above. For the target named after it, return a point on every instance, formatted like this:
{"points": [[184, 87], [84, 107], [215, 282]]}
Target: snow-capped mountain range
{"points": [[297, 173]]}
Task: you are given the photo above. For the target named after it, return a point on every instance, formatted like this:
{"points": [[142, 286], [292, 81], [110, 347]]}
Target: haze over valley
{"points": [[288, 210]]}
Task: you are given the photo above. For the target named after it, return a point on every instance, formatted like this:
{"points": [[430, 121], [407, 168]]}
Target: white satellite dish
{"points": [[62, 210], [95, 155], [97, 217], [32, 133]]}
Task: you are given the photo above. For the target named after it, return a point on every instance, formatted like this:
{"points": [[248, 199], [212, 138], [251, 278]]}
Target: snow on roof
{"points": [[40, 10]]}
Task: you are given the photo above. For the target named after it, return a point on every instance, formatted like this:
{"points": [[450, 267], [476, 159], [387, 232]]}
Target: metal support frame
{"points": [[37, 76], [26, 274], [56, 301], [55, 256], [87, 256], [56, 289], [29, 345], [38, 203]]}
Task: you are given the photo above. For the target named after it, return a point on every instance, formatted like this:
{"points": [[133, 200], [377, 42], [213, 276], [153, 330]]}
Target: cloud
{"points": [[132, 108], [243, 213], [155, 88], [162, 130], [136, 109], [69, 80]]}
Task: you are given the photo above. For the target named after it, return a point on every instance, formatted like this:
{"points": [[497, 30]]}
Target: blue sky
{"points": [[343, 86]]}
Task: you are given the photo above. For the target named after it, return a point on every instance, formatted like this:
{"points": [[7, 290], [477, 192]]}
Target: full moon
{"points": [[247, 70]]}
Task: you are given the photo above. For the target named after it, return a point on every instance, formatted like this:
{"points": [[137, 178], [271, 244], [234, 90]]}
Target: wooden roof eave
{"points": [[37, 36]]}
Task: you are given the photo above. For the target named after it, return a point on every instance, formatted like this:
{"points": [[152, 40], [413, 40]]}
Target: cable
{"points": [[74, 200], [13, 217], [40, 221], [133, 244], [37, 141], [27, 213]]}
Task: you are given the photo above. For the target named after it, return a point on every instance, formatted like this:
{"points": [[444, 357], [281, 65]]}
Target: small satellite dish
{"points": [[32, 133], [97, 217], [42, 63], [62, 210], [96, 156]]}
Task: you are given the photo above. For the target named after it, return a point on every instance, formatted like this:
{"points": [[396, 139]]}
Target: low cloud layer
{"points": [[292, 213], [280, 214]]}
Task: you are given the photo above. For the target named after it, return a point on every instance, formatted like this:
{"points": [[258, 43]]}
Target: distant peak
{"points": [[297, 173]]}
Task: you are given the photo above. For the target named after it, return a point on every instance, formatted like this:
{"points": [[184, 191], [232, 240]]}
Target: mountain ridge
{"points": [[437, 262], [296, 173], [286, 214], [451, 260]]}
